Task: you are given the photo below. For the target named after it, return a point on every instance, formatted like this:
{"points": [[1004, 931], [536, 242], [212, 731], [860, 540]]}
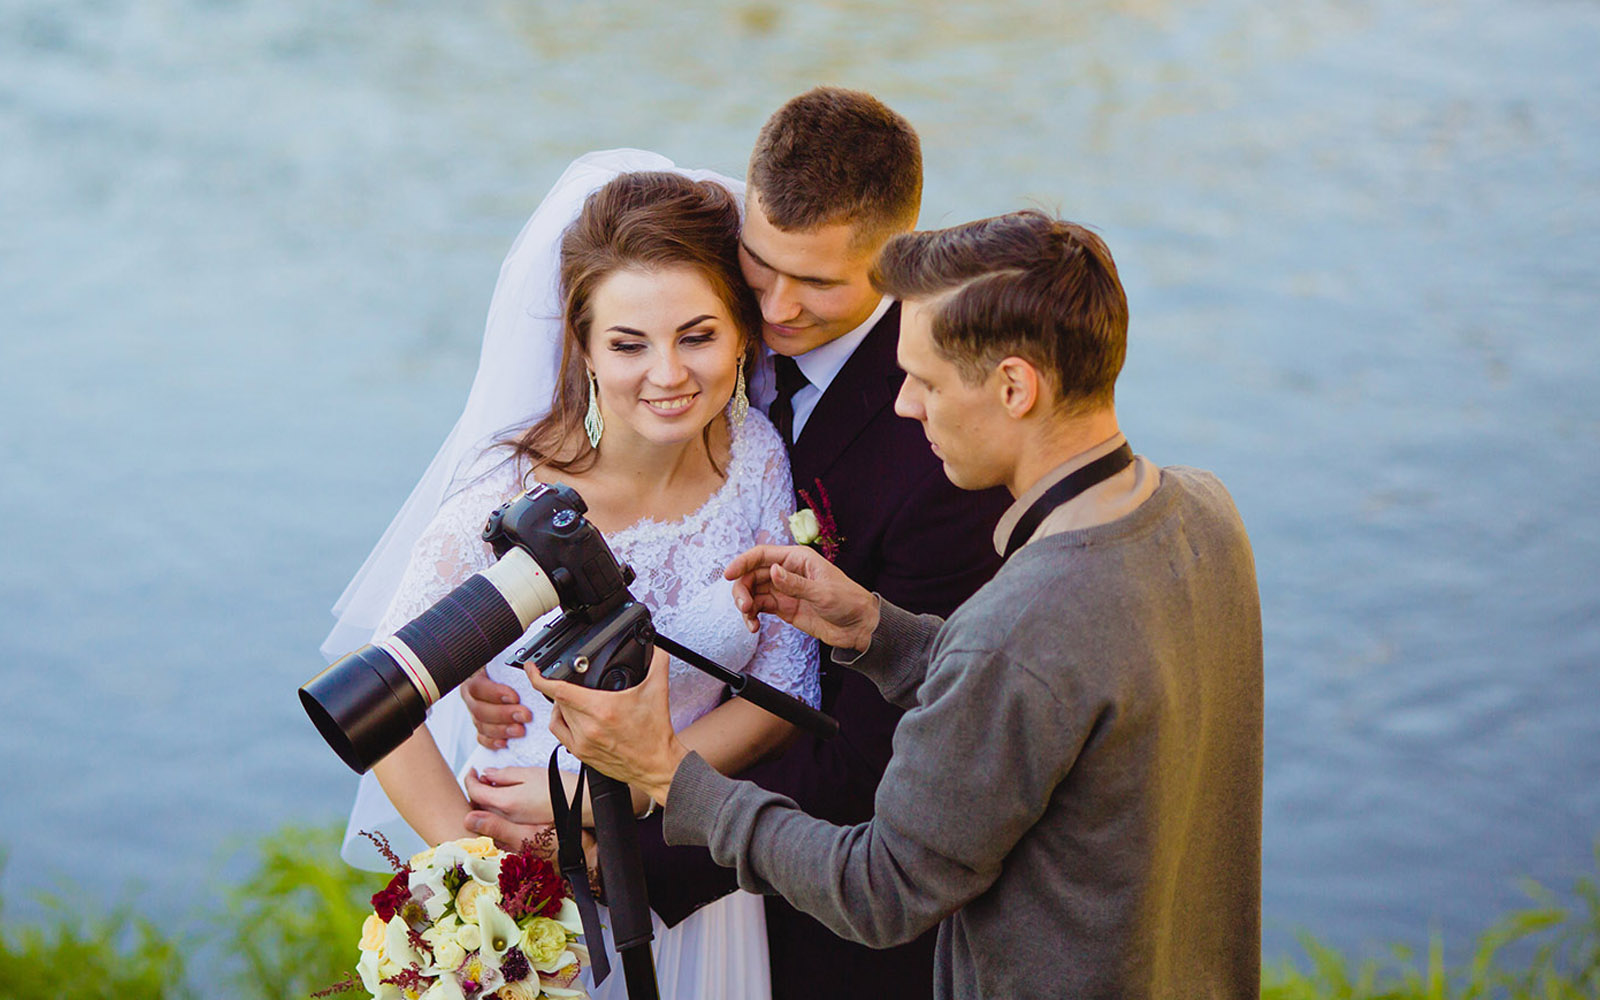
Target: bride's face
{"points": [[663, 347]]}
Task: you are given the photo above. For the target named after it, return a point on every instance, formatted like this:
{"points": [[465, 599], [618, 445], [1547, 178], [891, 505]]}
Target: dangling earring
{"points": [[741, 402], [593, 424]]}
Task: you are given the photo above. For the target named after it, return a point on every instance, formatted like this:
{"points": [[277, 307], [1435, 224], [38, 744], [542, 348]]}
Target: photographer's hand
{"points": [[625, 734], [496, 712], [798, 585]]}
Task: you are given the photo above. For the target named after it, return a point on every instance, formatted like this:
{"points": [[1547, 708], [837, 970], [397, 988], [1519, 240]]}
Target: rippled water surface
{"points": [[246, 248]]}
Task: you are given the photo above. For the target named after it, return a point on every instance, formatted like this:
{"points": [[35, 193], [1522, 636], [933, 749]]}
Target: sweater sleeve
{"points": [[975, 764], [897, 659]]}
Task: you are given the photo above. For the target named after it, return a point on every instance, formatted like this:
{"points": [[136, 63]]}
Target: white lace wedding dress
{"points": [[721, 949]]}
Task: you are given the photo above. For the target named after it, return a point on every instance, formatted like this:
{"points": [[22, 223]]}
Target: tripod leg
{"points": [[623, 872]]}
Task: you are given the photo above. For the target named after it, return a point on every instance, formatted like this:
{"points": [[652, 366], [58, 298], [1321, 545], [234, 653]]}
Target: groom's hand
{"points": [[497, 714], [798, 585]]}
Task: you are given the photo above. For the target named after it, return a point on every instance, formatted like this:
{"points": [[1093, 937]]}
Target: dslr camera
{"points": [[547, 556]]}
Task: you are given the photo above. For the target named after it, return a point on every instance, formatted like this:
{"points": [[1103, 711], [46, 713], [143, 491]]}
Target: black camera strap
{"points": [[569, 854], [1093, 474]]}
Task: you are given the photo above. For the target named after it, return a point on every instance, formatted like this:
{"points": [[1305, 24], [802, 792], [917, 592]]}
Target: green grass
{"points": [[1556, 948], [290, 928], [119, 955], [294, 922]]}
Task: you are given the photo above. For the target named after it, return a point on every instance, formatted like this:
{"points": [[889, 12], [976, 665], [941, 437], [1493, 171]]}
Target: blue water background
{"points": [[246, 249]]}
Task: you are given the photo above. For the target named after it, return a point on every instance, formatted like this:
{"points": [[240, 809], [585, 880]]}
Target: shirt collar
{"points": [[1013, 514], [822, 364]]}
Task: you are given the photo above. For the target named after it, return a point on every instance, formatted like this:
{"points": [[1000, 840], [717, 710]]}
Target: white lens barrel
{"points": [[524, 584]]}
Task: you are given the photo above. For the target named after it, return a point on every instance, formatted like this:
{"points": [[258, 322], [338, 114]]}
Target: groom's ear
{"points": [[1018, 386]]}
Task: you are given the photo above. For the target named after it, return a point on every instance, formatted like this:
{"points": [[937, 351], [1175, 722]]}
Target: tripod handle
{"points": [[758, 692], [784, 706]]}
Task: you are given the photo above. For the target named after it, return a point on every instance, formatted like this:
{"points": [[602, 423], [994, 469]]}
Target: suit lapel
{"points": [[866, 384]]}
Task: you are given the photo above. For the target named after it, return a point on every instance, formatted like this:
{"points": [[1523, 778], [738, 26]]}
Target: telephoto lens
{"points": [[370, 701]]}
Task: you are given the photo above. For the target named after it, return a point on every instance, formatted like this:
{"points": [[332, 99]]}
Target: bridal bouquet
{"points": [[467, 921]]}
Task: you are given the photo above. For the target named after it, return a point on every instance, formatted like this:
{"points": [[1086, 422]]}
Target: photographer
{"points": [[1075, 791]]}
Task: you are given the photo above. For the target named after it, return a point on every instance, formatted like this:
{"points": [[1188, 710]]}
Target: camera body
{"points": [[547, 523], [603, 637]]}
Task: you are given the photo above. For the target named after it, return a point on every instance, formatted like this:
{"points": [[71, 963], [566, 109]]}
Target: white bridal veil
{"points": [[514, 386]]}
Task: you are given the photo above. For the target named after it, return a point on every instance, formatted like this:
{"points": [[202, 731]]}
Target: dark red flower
{"points": [[530, 886], [389, 900]]}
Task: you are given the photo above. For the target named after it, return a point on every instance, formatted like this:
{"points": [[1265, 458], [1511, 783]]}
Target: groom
{"points": [[833, 176]]}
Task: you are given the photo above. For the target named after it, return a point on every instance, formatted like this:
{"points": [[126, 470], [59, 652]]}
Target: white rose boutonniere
{"points": [[814, 525], [804, 527]]}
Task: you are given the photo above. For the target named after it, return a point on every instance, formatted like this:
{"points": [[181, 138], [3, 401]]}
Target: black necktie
{"points": [[790, 381]]}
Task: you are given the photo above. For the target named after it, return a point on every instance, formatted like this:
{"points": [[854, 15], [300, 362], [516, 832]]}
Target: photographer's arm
{"points": [[951, 807]]}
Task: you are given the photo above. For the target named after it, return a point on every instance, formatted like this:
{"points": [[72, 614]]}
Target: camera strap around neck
{"points": [[1093, 474], [569, 855]]}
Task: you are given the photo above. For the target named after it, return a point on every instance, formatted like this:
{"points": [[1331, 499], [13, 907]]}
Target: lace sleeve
{"points": [[786, 658], [448, 551]]}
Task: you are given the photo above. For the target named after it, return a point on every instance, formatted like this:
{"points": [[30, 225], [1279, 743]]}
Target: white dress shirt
{"points": [[820, 365]]}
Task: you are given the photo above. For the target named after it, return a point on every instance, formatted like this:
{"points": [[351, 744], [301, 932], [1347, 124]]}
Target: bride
{"points": [[624, 379]]}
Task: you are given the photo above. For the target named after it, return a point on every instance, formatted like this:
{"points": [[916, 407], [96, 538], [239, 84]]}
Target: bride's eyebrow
{"points": [[691, 324]]}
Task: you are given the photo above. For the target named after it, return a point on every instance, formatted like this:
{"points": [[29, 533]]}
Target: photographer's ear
{"points": [[1019, 385]]}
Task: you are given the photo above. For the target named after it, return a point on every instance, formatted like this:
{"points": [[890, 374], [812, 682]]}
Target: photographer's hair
{"points": [[640, 221], [1024, 285], [833, 155]]}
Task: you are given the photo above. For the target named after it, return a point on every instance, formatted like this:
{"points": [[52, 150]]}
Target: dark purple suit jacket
{"points": [[926, 546]]}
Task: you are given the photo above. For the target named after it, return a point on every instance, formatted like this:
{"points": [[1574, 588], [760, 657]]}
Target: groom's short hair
{"points": [[835, 156], [1024, 285]]}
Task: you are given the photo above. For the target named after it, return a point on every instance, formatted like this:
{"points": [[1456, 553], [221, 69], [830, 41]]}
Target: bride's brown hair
{"points": [[644, 221]]}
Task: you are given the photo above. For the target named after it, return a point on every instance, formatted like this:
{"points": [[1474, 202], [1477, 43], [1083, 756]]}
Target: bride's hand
{"points": [[508, 835], [496, 713], [798, 585], [520, 794]]}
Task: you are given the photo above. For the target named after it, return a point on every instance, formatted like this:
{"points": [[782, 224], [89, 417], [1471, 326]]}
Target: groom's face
{"points": [[812, 284]]}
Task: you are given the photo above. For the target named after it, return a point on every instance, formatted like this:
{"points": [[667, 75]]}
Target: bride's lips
{"points": [[671, 406]]}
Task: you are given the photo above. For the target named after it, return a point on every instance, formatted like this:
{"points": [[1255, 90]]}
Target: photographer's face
{"points": [[966, 425], [663, 348]]}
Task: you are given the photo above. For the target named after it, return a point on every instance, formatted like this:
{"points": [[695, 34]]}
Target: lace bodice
{"points": [[679, 568]]}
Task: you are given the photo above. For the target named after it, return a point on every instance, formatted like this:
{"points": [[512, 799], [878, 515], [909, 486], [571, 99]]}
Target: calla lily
{"points": [[447, 855], [367, 969], [485, 870], [500, 932], [445, 988], [569, 917], [397, 945]]}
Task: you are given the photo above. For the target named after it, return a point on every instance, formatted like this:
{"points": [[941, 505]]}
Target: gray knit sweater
{"points": [[1075, 792]]}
